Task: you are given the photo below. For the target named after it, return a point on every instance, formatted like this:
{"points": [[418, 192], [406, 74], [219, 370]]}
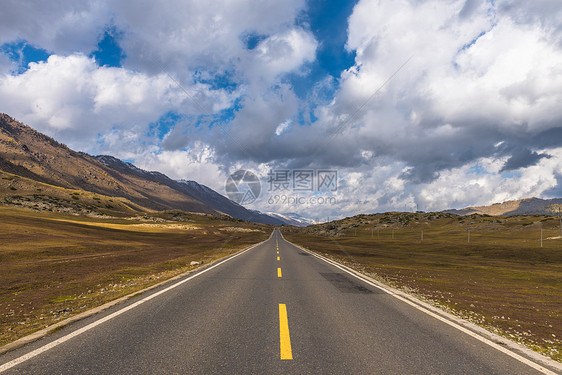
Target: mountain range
{"points": [[293, 218], [527, 206], [39, 172], [37, 166]]}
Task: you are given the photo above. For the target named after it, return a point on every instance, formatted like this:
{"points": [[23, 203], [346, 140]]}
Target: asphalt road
{"points": [[246, 314]]}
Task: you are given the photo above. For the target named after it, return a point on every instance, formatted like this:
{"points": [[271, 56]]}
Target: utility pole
{"points": [[422, 236], [541, 237]]}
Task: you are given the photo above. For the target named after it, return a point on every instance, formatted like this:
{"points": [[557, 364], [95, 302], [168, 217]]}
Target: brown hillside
{"points": [[528, 206], [28, 153]]}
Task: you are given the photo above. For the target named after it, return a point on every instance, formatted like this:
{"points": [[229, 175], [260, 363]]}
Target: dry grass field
{"points": [[502, 280], [54, 265]]}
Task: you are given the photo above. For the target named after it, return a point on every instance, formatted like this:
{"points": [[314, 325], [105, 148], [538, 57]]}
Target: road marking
{"points": [[278, 272], [458, 326], [52, 344], [278, 252], [284, 336], [277, 258]]}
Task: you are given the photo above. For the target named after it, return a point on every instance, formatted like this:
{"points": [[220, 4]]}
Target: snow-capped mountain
{"points": [[292, 218]]}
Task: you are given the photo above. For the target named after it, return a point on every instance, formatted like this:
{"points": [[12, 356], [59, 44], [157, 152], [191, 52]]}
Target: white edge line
{"points": [[516, 356], [59, 341]]}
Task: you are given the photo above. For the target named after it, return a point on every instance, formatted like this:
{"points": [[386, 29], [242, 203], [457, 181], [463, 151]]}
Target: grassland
{"points": [[19, 191], [502, 279], [54, 265]]}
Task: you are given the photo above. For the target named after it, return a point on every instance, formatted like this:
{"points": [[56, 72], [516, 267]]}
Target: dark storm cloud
{"points": [[522, 158], [556, 191]]}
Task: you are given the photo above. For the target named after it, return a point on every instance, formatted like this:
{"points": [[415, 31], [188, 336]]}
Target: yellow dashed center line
{"points": [[284, 336]]}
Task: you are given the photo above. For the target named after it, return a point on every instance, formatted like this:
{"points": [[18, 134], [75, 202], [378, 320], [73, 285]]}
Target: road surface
{"points": [[274, 309]]}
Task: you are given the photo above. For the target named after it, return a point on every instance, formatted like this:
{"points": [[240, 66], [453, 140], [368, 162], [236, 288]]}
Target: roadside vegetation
{"points": [[489, 270], [55, 265]]}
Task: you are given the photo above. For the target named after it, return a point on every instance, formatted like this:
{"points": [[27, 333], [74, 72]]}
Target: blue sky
{"points": [[328, 22], [21, 53], [109, 52], [198, 90]]}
